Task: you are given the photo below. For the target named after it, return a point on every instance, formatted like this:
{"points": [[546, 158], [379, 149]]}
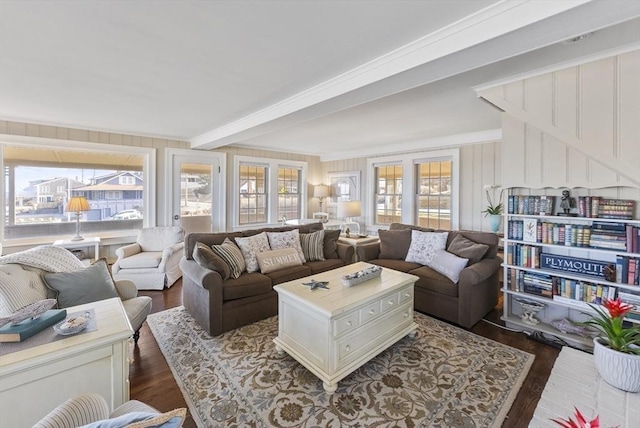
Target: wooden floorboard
{"points": [[152, 381]]}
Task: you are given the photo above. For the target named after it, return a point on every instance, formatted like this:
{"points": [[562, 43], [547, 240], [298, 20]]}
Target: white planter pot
{"points": [[617, 368]]}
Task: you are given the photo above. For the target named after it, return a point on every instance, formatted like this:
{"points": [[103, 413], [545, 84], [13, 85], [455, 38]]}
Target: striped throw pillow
{"points": [[231, 254], [313, 245]]}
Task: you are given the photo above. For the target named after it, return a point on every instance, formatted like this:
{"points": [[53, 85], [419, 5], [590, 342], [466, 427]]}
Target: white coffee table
{"points": [[333, 332]]}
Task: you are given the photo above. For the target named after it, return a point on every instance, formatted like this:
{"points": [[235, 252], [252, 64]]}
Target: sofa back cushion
{"points": [[159, 238], [466, 248], [205, 257], [394, 244], [402, 226]]}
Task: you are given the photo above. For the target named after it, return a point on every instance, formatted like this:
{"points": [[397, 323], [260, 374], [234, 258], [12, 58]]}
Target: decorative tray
{"points": [[361, 276], [73, 324]]}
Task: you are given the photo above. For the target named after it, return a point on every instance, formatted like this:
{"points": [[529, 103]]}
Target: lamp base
{"points": [[77, 238]]}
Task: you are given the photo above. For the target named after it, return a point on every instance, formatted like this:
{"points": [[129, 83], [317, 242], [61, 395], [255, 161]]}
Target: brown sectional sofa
{"points": [[220, 306], [464, 303]]}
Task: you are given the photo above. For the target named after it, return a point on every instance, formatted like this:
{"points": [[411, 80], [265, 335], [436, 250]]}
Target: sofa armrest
{"points": [[171, 256], [345, 252], [126, 289], [480, 271], [128, 251], [369, 251], [80, 410], [205, 278], [175, 248]]}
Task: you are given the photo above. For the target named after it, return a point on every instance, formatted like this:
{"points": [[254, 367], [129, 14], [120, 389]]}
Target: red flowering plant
{"points": [[580, 422], [617, 337]]}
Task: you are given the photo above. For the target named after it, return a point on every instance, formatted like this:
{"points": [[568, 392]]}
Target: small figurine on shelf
{"points": [[566, 203], [347, 232]]}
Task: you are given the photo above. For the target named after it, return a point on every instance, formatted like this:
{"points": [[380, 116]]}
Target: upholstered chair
{"points": [[153, 261], [90, 408]]}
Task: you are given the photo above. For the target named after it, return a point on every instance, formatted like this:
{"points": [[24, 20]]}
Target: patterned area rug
{"points": [[444, 377]]}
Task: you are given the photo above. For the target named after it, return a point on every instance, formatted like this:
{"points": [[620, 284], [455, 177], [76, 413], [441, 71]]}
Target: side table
{"points": [[356, 241], [86, 242]]}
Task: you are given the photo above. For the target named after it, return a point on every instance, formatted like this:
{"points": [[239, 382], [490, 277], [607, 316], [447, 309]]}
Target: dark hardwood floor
{"points": [[152, 381]]}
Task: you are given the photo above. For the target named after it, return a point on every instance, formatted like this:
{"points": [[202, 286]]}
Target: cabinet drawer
{"points": [[369, 312], [405, 294], [345, 324], [389, 302]]}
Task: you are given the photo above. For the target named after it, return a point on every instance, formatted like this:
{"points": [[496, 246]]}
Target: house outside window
{"points": [[416, 188], [34, 167], [268, 190]]}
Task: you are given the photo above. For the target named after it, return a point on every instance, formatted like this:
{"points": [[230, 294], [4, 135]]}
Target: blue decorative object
{"points": [[316, 284]]}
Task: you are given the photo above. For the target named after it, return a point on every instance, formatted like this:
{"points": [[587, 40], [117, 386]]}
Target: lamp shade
{"points": [[77, 204], [349, 209], [320, 191]]}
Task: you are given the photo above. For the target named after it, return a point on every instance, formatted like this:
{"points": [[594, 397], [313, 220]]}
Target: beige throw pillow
{"points": [[270, 261], [289, 239]]}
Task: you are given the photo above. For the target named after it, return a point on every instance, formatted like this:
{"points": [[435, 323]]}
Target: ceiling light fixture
{"points": [[578, 38]]}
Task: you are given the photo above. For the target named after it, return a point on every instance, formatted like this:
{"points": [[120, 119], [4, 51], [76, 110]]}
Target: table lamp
{"points": [[348, 210], [320, 191], [77, 204]]}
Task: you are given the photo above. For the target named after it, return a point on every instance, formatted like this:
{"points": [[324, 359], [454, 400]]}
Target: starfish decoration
{"points": [[316, 284]]}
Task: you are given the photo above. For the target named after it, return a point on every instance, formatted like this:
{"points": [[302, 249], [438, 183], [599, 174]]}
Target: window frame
{"points": [[148, 171], [409, 161], [272, 194]]}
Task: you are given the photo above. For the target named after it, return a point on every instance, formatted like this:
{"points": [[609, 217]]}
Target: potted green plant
{"points": [[494, 211], [616, 352]]}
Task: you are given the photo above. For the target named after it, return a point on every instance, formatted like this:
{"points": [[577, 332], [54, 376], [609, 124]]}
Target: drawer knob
{"points": [[406, 314], [349, 323], [390, 302], [407, 295], [347, 348], [371, 312]]}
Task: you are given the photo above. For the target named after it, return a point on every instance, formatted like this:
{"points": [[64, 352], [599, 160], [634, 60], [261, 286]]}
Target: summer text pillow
{"points": [[290, 239], [205, 257], [231, 254], [394, 244], [278, 259], [466, 248], [83, 286], [448, 264], [313, 246], [250, 248], [424, 245]]}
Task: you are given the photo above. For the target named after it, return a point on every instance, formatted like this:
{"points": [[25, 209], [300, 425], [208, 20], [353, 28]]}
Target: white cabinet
{"points": [[33, 381], [566, 263]]}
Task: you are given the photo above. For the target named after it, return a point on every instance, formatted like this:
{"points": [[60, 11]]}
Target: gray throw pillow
{"points": [[394, 244], [468, 249], [331, 244], [82, 286], [205, 257]]}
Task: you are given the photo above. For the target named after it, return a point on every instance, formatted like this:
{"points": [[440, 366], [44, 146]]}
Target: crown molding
{"points": [[495, 20]]}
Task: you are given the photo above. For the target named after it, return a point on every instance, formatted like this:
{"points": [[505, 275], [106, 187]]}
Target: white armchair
{"points": [[153, 261]]}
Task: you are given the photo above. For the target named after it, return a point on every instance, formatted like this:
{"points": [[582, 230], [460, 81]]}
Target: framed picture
{"points": [[530, 230], [344, 186]]}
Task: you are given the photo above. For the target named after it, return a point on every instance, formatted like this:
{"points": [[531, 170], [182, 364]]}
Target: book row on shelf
{"points": [[600, 235], [588, 206], [626, 269], [570, 291]]}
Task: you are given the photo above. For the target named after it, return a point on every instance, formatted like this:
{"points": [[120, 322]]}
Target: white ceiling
{"points": [[329, 78]]}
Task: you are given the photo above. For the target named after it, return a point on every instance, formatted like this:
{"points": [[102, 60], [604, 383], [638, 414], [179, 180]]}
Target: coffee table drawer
{"points": [[346, 324], [369, 312], [406, 294]]}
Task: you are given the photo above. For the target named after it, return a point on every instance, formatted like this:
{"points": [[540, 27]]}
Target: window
{"points": [[268, 190], [388, 195], [127, 180], [433, 188], [288, 193], [417, 188], [253, 194], [39, 179]]}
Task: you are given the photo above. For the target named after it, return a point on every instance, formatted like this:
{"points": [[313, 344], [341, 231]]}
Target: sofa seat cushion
{"points": [[148, 259], [288, 274], [399, 265], [246, 285], [324, 265], [431, 280]]}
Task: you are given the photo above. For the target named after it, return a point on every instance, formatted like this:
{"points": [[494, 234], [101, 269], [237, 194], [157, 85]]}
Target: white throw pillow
{"points": [[278, 259], [290, 239], [424, 245], [448, 264], [250, 248]]}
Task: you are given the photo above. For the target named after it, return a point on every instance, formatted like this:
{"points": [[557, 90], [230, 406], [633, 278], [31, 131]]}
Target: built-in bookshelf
{"points": [[560, 264]]}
